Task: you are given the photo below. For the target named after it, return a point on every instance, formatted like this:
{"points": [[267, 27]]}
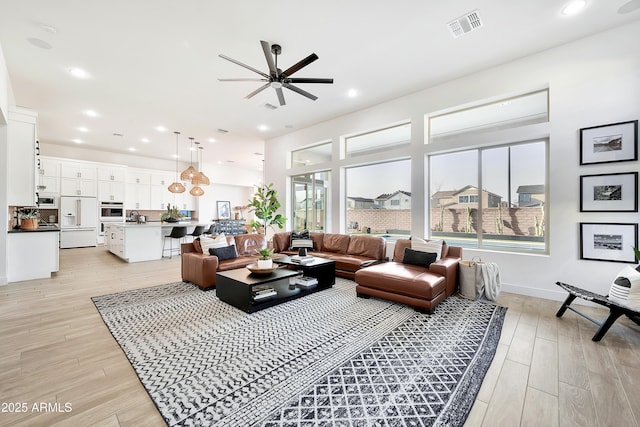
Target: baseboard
{"points": [[554, 295]]}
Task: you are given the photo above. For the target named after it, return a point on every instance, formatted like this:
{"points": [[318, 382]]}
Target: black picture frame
{"points": [[615, 142], [609, 192], [611, 242], [224, 209]]}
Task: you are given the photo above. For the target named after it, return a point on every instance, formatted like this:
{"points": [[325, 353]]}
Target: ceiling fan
{"points": [[277, 78]]}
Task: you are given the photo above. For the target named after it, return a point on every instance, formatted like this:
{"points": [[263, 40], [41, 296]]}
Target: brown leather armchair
{"points": [[200, 269]]}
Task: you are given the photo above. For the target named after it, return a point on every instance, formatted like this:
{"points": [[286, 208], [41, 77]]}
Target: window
{"points": [[311, 155], [310, 201], [509, 212], [379, 198], [378, 141]]}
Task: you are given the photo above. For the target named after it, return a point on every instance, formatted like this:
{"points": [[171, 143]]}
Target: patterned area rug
{"points": [[328, 359]]}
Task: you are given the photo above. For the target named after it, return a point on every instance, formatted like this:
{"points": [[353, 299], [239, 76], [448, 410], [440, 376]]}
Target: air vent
{"points": [[222, 131], [270, 106], [465, 24]]}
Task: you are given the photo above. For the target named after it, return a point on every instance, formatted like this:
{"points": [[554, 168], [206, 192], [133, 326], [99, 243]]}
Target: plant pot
{"points": [[265, 263], [29, 223]]}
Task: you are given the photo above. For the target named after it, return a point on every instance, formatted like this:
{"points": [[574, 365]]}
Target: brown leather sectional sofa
{"points": [[350, 252], [200, 269], [420, 287]]}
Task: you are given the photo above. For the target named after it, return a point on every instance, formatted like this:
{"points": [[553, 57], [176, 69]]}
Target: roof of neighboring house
{"points": [[360, 199], [465, 188], [390, 195], [443, 194], [530, 189]]}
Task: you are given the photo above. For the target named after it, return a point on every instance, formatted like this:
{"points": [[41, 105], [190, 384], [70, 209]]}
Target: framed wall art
{"points": [[617, 142], [614, 192], [224, 209], [608, 242]]}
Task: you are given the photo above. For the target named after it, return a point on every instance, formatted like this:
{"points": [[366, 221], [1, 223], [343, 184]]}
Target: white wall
{"points": [[6, 99], [591, 82]]}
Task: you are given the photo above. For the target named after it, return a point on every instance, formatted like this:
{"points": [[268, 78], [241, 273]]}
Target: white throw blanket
{"points": [[490, 274]]}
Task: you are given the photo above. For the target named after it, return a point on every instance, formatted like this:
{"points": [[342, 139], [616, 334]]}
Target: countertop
{"points": [[157, 224], [40, 229]]}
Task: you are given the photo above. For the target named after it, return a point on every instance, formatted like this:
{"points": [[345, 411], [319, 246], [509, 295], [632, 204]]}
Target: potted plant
{"points": [[29, 219], [171, 215], [265, 261], [264, 205]]}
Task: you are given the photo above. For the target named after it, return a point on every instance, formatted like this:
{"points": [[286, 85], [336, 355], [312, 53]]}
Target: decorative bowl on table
{"points": [[253, 268]]}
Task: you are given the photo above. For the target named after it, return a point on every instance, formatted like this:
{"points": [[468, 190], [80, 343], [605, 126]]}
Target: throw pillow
{"points": [[625, 289], [197, 245], [227, 252], [420, 258], [435, 245], [220, 241], [301, 239]]}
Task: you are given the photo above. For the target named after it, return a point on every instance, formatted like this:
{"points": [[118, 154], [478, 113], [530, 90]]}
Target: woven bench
{"points": [[615, 310]]}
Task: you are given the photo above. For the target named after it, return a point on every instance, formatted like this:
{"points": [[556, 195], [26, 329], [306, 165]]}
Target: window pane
{"points": [[515, 177], [311, 155], [310, 201], [379, 198], [378, 141], [454, 197]]}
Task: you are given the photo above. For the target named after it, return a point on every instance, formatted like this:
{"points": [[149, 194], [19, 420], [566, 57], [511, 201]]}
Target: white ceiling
{"points": [[156, 62]]}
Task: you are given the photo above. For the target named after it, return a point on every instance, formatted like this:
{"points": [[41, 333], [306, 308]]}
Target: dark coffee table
{"points": [[240, 288], [321, 268]]}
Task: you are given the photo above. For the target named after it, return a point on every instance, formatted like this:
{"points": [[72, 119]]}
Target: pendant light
{"points": [[200, 178], [176, 187], [190, 172]]}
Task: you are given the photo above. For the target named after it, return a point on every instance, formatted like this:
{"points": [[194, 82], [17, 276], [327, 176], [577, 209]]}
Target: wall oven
{"points": [[111, 211]]}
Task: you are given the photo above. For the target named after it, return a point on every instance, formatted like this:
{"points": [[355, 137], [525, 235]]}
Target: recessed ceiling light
{"points": [[145, 140], [78, 73], [212, 140], [219, 162], [91, 113], [132, 149], [263, 128], [175, 156], [77, 141], [161, 128], [352, 93], [574, 7], [82, 129]]}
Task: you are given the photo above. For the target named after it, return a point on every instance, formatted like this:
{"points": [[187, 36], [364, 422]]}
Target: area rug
{"points": [[329, 358]]}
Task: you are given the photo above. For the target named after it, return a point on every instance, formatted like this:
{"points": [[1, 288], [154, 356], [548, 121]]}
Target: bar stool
{"points": [[176, 233], [213, 229], [197, 232]]}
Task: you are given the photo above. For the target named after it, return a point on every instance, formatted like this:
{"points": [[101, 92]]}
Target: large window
{"points": [[310, 201], [379, 198], [320, 153], [378, 141], [509, 212]]}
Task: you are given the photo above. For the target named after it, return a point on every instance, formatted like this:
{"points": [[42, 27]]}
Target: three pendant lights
{"points": [[190, 174]]}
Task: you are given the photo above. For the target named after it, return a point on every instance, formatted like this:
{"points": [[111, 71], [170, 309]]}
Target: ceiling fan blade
{"points": [[308, 80], [296, 67], [243, 80], [257, 91], [248, 67], [280, 96], [300, 91], [267, 54]]}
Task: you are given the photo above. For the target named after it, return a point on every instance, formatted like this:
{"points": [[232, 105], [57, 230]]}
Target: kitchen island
{"points": [[135, 242], [32, 254]]}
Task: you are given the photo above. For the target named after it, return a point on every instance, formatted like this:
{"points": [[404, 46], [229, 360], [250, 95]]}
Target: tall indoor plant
{"points": [[265, 205]]}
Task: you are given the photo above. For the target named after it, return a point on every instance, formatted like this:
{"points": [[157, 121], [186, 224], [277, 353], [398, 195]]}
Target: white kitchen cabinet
{"points": [[21, 157], [160, 196], [78, 179], [110, 191], [138, 197], [162, 179], [134, 243], [49, 167], [32, 255], [48, 176], [138, 176], [114, 239], [111, 173], [78, 187], [185, 201]]}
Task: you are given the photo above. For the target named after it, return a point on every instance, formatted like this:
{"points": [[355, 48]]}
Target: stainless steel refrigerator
{"points": [[78, 221]]}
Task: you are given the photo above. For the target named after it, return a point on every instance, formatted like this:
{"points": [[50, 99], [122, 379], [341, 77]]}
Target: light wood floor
{"points": [[54, 347]]}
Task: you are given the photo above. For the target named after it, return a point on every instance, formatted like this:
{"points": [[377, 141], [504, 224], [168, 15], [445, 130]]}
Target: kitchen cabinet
{"points": [[138, 176], [160, 194], [21, 156], [109, 191], [138, 197], [48, 176], [134, 243], [111, 173], [78, 179], [32, 255]]}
